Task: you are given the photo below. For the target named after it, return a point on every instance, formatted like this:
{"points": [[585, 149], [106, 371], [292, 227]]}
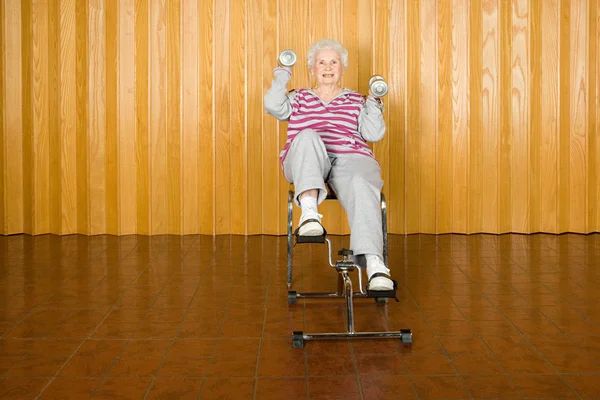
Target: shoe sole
{"points": [[381, 283], [311, 229]]}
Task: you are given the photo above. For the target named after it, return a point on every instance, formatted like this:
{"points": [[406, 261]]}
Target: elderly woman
{"points": [[328, 130]]}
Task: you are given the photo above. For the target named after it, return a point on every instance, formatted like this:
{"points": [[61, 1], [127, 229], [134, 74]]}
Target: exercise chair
{"points": [[344, 286]]}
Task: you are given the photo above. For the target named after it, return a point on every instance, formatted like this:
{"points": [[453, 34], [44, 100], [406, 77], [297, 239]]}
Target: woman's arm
{"points": [[277, 101], [371, 124]]}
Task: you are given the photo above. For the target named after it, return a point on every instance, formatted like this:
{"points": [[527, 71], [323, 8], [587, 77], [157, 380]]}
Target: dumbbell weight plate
{"points": [[373, 78], [287, 58], [378, 86]]}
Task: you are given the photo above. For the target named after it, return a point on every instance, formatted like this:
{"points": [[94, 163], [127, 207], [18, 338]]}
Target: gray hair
{"points": [[326, 44]]}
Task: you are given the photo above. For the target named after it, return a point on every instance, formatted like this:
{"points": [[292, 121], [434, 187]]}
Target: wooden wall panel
{"points": [[396, 101], [444, 156], [460, 117], [67, 172], [147, 117], [127, 132], [82, 82], [412, 155], [237, 93], [172, 174], [99, 72], [578, 110], [112, 117], [595, 140], [564, 143], [592, 65], [485, 105], [505, 132], [549, 108], [535, 41], [12, 119], [54, 132], [40, 116], [223, 95], [428, 113], [476, 102], [190, 128], [272, 204], [520, 116], [158, 207], [255, 85], [142, 117], [381, 64], [3, 167], [206, 171]]}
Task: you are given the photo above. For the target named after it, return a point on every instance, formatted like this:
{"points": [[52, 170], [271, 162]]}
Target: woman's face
{"points": [[328, 67]]}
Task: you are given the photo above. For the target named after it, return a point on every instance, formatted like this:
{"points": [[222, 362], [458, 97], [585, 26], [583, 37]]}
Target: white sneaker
{"points": [[313, 227], [379, 275]]}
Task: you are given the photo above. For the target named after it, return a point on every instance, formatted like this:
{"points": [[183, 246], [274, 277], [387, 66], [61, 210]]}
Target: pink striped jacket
{"points": [[345, 124]]}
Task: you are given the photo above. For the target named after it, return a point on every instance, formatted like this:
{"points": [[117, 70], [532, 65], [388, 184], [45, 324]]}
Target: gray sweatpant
{"points": [[354, 178]]}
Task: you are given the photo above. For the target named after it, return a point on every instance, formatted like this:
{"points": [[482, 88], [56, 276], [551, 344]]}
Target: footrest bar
{"points": [[324, 294], [293, 296], [310, 239], [298, 338], [388, 294]]}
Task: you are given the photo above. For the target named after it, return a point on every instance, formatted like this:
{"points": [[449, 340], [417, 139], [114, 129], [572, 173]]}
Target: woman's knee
{"points": [[367, 176], [307, 135]]}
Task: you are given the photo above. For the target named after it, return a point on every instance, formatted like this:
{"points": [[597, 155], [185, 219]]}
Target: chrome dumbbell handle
{"points": [[287, 58], [378, 86]]}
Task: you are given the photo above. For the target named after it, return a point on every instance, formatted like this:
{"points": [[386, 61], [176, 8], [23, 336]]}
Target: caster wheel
{"points": [[292, 297], [380, 299], [406, 338], [297, 340]]}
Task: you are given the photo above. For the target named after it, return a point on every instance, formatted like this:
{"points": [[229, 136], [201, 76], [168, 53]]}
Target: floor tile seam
{"points": [[580, 373], [535, 349], [309, 376], [178, 330], [519, 330], [262, 334], [521, 391], [112, 308], [465, 387], [89, 262], [533, 345], [303, 307], [354, 365], [478, 336], [34, 309], [562, 299]]}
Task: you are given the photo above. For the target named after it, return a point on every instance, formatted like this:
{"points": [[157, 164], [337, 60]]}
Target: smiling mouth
{"points": [[327, 75]]}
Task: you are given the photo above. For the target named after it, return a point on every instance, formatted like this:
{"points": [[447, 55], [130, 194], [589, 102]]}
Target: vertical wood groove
{"points": [[142, 117], [83, 199], [3, 136], [11, 168], [111, 74], [173, 116], [505, 145], [479, 86]]}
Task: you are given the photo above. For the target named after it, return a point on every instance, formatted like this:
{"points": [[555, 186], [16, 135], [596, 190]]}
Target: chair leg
{"points": [[384, 226], [290, 238]]}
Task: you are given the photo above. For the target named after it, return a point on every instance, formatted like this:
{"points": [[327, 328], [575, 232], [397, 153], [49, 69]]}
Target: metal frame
{"points": [[290, 232], [344, 288]]}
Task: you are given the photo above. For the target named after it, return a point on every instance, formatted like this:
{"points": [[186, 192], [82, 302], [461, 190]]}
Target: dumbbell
{"points": [[287, 58], [378, 85]]}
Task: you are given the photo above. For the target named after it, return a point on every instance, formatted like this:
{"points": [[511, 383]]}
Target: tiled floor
{"points": [[509, 317]]}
